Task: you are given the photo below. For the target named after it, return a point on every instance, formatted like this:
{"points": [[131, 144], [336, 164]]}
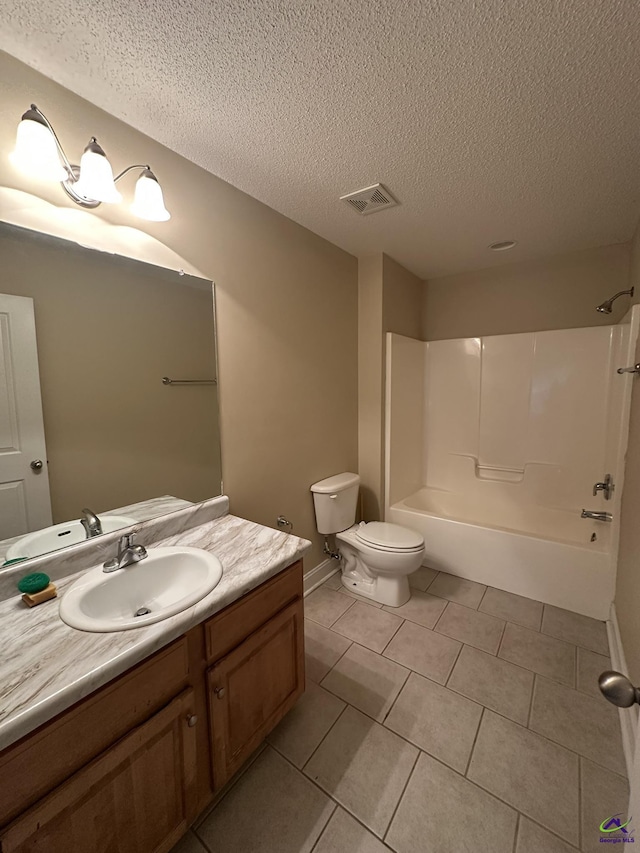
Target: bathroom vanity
{"points": [[132, 764]]}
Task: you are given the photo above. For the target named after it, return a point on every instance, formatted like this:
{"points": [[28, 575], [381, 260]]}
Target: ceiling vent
{"points": [[369, 200]]}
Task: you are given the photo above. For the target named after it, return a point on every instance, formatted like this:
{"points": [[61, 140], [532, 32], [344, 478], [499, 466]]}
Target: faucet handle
{"points": [[126, 541]]}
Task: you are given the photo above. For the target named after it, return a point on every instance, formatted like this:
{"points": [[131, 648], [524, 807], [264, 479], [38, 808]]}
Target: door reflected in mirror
{"points": [[87, 425]]}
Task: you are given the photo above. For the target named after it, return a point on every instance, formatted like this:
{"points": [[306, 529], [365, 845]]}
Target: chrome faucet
{"points": [[596, 516], [91, 523], [605, 487], [128, 554]]}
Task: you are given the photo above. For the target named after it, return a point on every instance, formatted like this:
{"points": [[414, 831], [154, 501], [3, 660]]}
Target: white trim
{"points": [[628, 716], [319, 574]]}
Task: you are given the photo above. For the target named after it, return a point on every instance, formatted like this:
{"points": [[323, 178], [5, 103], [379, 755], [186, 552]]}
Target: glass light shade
{"points": [[96, 176], [148, 201], [36, 152]]}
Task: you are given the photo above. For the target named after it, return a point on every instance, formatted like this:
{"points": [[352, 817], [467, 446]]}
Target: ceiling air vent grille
{"points": [[369, 200]]}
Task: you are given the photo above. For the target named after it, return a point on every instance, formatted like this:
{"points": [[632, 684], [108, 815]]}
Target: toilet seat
{"points": [[383, 536]]}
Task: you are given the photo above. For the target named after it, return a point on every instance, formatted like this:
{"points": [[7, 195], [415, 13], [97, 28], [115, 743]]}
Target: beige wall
{"points": [[286, 300], [628, 582], [108, 329], [556, 293], [389, 300]]}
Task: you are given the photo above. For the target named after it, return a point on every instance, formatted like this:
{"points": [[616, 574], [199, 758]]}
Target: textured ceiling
{"points": [[488, 120]]}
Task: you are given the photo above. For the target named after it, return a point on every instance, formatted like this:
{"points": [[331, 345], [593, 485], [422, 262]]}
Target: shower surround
{"points": [[493, 446]]}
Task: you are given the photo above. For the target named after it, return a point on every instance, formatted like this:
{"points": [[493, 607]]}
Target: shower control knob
{"points": [[617, 688], [36, 465]]}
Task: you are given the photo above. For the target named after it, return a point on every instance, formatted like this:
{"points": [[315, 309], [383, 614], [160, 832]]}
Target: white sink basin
{"points": [[167, 581], [61, 535]]}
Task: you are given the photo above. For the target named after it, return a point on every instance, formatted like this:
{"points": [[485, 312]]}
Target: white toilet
{"points": [[378, 556]]}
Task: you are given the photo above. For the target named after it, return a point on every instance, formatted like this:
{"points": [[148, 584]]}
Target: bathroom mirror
{"points": [[86, 420]]}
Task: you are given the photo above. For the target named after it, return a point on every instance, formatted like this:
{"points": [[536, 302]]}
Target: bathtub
{"points": [[541, 553]]}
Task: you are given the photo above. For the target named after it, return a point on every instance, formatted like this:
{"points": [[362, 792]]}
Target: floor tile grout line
{"points": [[353, 601], [339, 659], [334, 800], [550, 831], [533, 693], [580, 760], [391, 638], [455, 663], [444, 610], [324, 737], [391, 707], [324, 828], [402, 793], [578, 755], [504, 629], [473, 745], [513, 808], [433, 579], [553, 743], [516, 833], [483, 597], [331, 799]]}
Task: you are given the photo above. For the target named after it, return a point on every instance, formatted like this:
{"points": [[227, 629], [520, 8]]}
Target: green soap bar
{"points": [[15, 560], [33, 583]]}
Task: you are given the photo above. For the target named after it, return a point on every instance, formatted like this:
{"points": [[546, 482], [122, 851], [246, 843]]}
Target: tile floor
{"points": [[468, 719]]}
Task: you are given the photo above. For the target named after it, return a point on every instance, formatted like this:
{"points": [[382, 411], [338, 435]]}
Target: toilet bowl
{"points": [[377, 559]]}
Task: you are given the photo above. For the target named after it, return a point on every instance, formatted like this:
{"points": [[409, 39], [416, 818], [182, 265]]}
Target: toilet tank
{"points": [[335, 500]]}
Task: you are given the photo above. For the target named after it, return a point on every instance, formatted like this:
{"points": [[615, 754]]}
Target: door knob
{"points": [[36, 465], [219, 691], [617, 688]]}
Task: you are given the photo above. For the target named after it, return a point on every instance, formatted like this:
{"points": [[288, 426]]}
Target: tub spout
{"points": [[596, 516]]}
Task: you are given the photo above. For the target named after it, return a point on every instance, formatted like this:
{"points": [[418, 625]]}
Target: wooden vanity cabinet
{"points": [[131, 766], [132, 798], [253, 687]]}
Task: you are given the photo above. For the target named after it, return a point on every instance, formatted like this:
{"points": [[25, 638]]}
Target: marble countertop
{"points": [[46, 666]]}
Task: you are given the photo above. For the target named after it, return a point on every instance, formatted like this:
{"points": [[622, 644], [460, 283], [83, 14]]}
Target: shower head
{"points": [[606, 306]]}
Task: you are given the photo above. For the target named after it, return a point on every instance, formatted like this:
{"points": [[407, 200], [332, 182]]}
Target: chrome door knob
{"points": [[617, 688], [36, 465]]}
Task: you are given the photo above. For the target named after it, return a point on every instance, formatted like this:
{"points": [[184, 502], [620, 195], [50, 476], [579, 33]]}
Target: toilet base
{"points": [[392, 591]]}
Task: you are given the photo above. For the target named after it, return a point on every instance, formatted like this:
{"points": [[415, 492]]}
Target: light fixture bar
{"points": [[65, 159], [129, 169]]}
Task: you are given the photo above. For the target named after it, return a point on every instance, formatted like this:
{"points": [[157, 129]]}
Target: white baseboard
{"points": [[628, 716], [319, 574]]}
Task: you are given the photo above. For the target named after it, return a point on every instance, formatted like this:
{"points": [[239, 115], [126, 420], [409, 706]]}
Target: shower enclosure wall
{"points": [[493, 447]]}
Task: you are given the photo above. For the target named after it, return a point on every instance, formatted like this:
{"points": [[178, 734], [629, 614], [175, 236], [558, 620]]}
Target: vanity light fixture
{"points": [[39, 153]]}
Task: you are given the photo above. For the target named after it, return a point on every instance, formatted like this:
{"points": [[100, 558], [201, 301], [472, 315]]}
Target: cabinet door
{"points": [[131, 799], [253, 687]]}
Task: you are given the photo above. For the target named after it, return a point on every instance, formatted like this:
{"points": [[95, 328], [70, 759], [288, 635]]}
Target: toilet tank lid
{"points": [[337, 483]]}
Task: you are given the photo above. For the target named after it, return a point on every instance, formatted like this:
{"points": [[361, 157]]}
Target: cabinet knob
{"points": [[192, 719], [220, 692]]}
